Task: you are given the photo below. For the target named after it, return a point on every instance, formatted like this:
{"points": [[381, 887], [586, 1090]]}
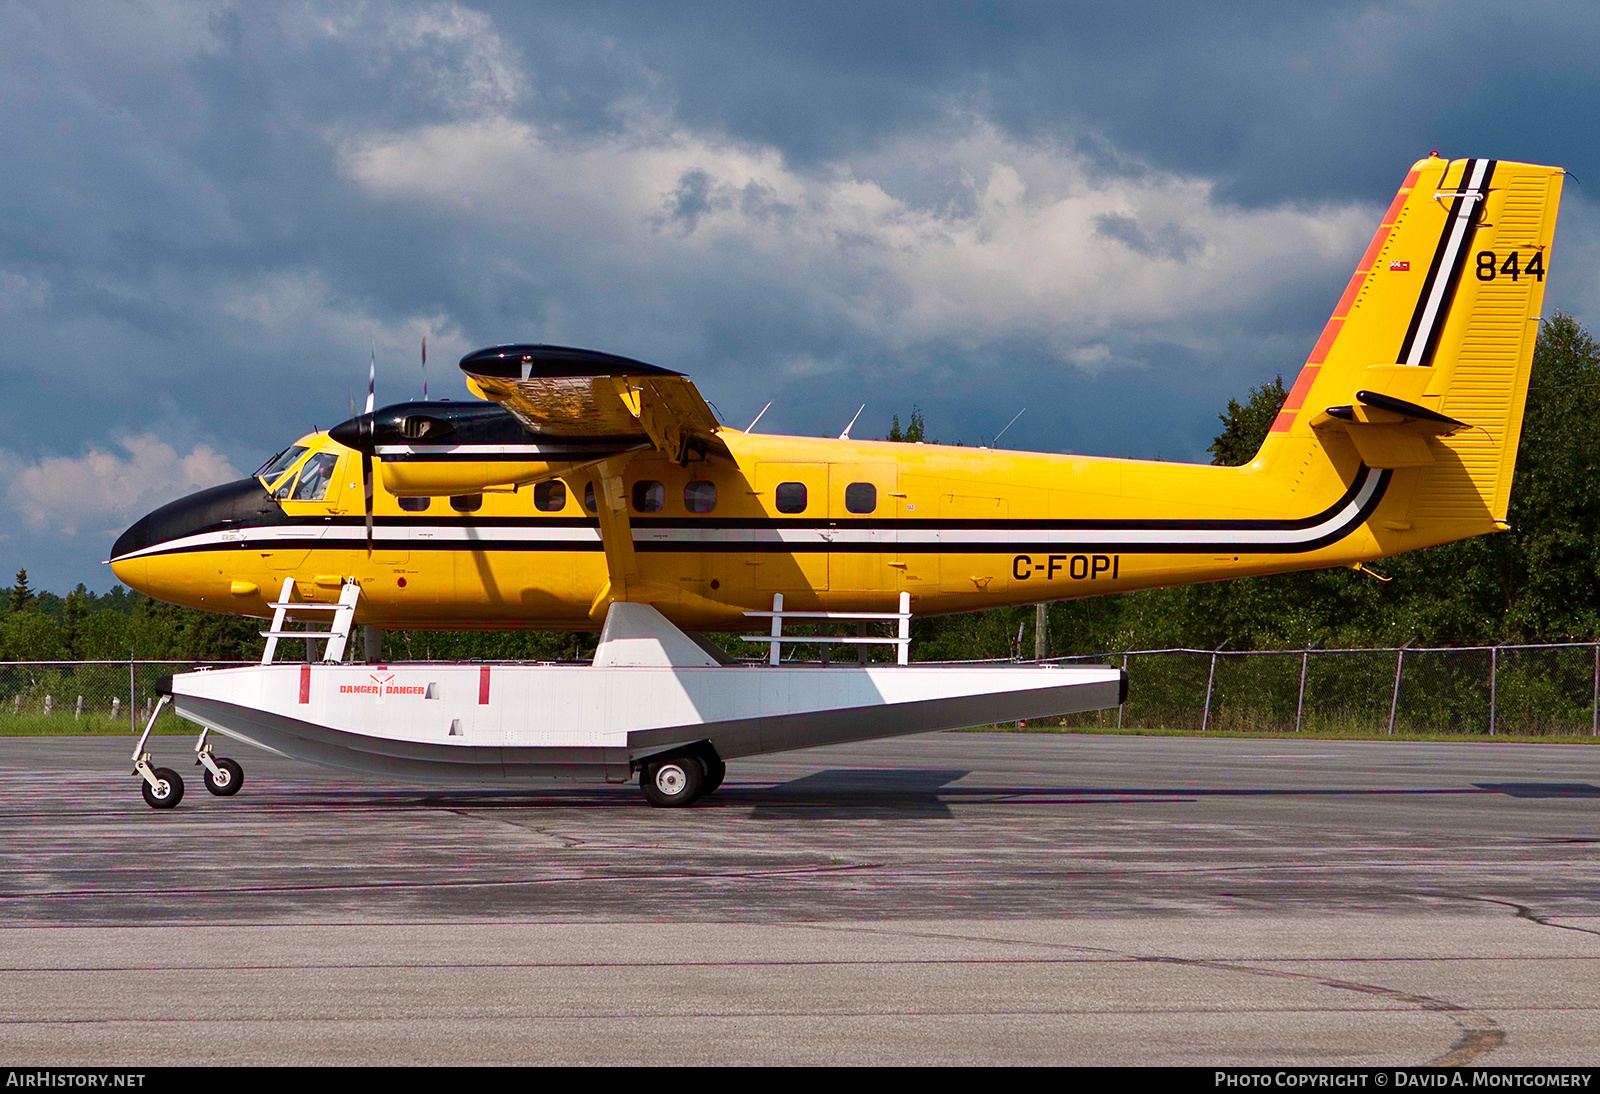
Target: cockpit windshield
{"points": [[269, 471]]}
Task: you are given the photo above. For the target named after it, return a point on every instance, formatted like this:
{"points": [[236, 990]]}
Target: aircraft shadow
{"points": [[849, 792], [921, 792], [855, 792]]}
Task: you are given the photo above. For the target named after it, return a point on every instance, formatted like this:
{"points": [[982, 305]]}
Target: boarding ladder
{"points": [[775, 640], [337, 634]]}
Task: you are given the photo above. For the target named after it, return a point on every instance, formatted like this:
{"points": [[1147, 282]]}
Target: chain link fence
{"points": [[95, 697], [1530, 690]]}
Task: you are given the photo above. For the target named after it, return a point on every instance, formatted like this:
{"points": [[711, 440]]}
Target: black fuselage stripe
{"points": [[955, 547], [709, 523]]}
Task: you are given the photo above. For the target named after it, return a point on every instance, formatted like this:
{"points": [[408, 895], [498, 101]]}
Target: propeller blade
{"points": [[366, 489], [424, 368], [367, 431]]}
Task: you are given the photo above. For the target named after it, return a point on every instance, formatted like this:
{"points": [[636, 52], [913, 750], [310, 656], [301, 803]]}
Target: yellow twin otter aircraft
{"points": [[592, 491], [588, 479]]}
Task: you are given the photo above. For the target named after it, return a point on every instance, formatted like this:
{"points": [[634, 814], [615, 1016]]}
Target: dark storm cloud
{"points": [[1280, 100], [208, 212]]}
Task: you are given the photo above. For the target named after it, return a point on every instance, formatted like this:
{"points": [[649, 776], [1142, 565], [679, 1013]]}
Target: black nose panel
{"points": [[241, 504]]}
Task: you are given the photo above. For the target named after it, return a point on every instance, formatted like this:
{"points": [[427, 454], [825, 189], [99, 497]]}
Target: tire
{"points": [[230, 783], [673, 781], [716, 769], [173, 793]]}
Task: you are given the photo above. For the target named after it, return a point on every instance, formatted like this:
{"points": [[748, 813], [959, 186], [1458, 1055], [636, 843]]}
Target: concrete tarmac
{"points": [[949, 898]]}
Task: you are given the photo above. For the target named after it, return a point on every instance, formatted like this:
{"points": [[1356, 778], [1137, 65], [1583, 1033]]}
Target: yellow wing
{"points": [[560, 392]]}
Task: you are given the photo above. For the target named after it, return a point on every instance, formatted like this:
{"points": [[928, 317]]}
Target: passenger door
{"points": [[864, 542]]}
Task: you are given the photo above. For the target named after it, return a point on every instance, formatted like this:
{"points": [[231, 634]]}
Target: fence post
{"points": [[1205, 717], [133, 715], [1041, 632], [77, 715], [1300, 703], [1494, 672], [1394, 701], [1594, 730], [1122, 706], [903, 648]]}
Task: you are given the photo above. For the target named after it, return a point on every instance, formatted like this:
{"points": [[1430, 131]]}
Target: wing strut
{"points": [[616, 536]]}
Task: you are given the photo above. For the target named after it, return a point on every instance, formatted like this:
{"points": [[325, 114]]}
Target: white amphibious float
{"points": [[653, 701]]}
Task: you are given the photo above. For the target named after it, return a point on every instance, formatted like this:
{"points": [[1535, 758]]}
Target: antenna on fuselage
{"points": [[1008, 425], [757, 418], [845, 436]]}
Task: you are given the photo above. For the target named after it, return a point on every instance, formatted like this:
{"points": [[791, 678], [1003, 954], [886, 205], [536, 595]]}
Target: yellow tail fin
{"points": [[1425, 361]]}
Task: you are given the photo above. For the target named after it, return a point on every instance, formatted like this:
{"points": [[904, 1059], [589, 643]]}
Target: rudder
{"points": [[1424, 363]]}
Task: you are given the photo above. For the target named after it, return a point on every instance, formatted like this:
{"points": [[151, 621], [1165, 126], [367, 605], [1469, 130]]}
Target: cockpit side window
{"points": [[268, 472], [315, 477]]}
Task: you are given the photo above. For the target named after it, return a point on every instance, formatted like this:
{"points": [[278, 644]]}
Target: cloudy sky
{"points": [[1115, 216]]}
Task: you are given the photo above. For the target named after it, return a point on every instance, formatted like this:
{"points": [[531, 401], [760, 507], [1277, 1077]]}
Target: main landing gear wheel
{"points": [[166, 793], [716, 769], [673, 781], [229, 779]]}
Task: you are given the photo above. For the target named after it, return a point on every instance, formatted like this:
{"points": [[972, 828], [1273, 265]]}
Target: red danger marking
{"points": [[483, 686], [1400, 267], [305, 683]]}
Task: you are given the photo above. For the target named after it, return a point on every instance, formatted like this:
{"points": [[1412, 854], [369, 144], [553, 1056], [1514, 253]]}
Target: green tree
{"points": [[915, 430], [21, 595], [1245, 426], [74, 611]]}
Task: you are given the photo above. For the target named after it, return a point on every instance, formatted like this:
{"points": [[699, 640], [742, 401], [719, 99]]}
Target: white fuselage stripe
{"points": [[421, 535]]}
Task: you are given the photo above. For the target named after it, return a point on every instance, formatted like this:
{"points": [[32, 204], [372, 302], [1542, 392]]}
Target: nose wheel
{"points": [[223, 777], [162, 787]]}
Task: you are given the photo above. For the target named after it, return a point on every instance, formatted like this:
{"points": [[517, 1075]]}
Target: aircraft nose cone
{"points": [[197, 520], [136, 538], [132, 572]]}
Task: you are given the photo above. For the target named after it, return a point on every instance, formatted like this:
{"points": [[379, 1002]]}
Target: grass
{"points": [[1350, 733], [62, 724]]}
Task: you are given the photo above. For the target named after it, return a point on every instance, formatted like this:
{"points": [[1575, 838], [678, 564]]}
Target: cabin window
{"points": [[415, 505], [649, 496], [467, 503], [861, 497], [588, 497], [791, 497], [700, 496], [315, 477], [550, 497]]}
